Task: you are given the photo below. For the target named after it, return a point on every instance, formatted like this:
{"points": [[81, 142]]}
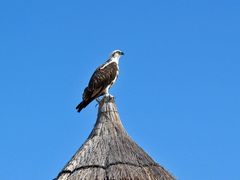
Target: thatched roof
{"points": [[110, 154]]}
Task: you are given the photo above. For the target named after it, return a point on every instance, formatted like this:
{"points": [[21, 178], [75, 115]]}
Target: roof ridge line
{"points": [[106, 167]]}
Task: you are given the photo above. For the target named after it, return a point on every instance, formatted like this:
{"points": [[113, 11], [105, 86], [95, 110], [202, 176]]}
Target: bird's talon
{"points": [[98, 100]]}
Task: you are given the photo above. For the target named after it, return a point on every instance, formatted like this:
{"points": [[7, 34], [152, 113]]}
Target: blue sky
{"points": [[178, 92]]}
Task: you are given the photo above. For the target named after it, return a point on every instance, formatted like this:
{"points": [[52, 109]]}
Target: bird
{"points": [[102, 80]]}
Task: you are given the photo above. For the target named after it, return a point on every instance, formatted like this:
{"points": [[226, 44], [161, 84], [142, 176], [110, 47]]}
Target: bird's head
{"points": [[116, 53]]}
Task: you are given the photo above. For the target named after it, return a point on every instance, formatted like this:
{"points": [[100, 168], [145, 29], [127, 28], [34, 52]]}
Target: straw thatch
{"points": [[110, 154]]}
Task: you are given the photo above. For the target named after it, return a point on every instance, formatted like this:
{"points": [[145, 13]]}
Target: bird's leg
{"points": [[98, 102], [107, 92], [111, 96]]}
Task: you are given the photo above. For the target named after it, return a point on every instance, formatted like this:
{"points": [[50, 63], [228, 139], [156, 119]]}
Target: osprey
{"points": [[102, 80]]}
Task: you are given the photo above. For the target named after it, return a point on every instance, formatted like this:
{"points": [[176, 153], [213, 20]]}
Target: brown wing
{"points": [[102, 77]]}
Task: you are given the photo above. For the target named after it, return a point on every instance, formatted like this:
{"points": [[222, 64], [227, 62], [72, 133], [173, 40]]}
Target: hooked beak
{"points": [[122, 53]]}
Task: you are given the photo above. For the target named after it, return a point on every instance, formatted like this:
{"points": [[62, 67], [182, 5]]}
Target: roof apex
{"points": [[109, 153]]}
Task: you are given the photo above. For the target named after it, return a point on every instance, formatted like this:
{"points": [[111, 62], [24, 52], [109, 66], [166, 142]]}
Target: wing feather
{"points": [[101, 78]]}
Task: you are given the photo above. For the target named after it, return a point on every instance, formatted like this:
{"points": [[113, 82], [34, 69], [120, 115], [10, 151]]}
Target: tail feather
{"points": [[80, 106], [83, 104]]}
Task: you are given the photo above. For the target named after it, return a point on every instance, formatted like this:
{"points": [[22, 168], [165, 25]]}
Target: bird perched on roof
{"points": [[102, 80]]}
